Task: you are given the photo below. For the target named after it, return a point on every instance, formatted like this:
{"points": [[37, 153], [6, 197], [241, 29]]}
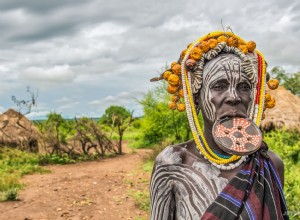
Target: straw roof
{"points": [[17, 131], [286, 113]]}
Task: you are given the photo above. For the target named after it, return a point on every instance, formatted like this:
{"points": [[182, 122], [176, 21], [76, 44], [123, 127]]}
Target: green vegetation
{"points": [[159, 124], [13, 165], [141, 199], [290, 81], [287, 145]]}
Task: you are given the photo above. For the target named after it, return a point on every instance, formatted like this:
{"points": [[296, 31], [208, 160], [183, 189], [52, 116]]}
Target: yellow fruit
{"points": [[172, 89], [181, 107], [204, 46], [212, 43], [173, 80], [271, 103], [243, 48], [251, 45], [222, 38], [232, 41], [174, 98], [268, 97], [172, 105], [183, 53], [172, 64], [196, 53], [273, 84], [166, 75], [180, 93], [176, 68]]}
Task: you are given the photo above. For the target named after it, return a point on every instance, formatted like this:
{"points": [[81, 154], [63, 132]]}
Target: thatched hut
{"points": [[17, 131], [286, 113]]}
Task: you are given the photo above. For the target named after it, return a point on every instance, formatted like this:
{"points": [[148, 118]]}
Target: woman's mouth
{"points": [[231, 114]]}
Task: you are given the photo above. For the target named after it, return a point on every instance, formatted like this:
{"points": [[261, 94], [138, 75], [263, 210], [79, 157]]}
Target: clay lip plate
{"points": [[237, 135]]}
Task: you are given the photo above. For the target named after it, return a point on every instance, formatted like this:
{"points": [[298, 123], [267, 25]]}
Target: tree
{"points": [[55, 131], [159, 122], [290, 81], [27, 104], [119, 111], [120, 118], [91, 137]]}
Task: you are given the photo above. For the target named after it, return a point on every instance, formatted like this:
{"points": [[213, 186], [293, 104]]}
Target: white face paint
{"points": [[227, 68]]}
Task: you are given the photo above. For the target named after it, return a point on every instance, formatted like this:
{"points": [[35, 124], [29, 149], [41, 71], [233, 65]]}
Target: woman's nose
{"points": [[232, 97]]}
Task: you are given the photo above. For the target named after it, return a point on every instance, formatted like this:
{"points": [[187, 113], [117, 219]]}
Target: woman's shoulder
{"points": [[172, 154]]}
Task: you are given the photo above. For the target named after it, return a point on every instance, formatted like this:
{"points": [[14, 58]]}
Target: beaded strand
{"points": [[255, 112]]}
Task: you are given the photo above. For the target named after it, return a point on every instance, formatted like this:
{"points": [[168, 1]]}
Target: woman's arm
{"points": [[161, 194]]}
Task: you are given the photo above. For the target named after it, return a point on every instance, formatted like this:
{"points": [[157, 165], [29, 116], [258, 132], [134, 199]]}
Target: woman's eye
{"points": [[244, 87], [219, 86]]}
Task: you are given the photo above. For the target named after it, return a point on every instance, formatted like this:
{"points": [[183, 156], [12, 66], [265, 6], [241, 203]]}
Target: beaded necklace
{"points": [[206, 48], [205, 150]]}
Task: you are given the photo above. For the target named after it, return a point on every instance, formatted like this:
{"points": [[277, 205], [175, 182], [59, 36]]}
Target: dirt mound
{"points": [[286, 113], [17, 131]]}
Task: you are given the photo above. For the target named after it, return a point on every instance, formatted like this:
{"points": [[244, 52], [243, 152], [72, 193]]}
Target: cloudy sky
{"points": [[83, 56]]}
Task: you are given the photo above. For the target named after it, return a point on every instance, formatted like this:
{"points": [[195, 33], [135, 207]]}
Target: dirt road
{"points": [[88, 190]]}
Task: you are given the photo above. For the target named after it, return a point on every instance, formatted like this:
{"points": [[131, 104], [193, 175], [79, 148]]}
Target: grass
{"points": [[13, 165], [141, 199]]}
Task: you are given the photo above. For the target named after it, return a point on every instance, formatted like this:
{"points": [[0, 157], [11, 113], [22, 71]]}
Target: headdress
{"points": [[185, 79]]}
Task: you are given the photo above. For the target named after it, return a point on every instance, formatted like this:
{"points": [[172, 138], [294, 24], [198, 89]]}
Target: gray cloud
{"points": [[82, 52]]}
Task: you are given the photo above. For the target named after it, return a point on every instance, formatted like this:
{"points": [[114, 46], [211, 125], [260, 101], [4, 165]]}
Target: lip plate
{"points": [[228, 149]]}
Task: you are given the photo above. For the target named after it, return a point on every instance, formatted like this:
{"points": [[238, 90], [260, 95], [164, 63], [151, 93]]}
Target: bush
{"points": [[287, 145], [54, 159], [13, 165], [159, 122]]}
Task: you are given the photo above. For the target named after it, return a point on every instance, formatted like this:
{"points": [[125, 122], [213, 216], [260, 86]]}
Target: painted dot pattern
{"points": [[238, 135]]}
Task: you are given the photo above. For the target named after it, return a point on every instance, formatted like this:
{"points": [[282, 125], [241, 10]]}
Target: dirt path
{"points": [[88, 190]]}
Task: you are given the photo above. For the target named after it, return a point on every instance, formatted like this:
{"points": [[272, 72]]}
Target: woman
{"points": [[227, 171]]}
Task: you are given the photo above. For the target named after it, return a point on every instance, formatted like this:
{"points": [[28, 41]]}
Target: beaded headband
{"points": [[185, 79]]}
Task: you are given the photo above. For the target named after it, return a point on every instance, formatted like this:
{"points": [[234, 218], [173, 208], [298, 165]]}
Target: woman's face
{"points": [[225, 91]]}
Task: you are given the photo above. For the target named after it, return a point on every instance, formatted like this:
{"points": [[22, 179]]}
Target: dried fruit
{"points": [[212, 43], [251, 45], [268, 97], [204, 46], [273, 84], [172, 105], [233, 42], [172, 89], [183, 53], [181, 107], [174, 98], [173, 80], [196, 53], [222, 38], [243, 48], [271, 103], [180, 93], [166, 75], [190, 63], [172, 64], [176, 68]]}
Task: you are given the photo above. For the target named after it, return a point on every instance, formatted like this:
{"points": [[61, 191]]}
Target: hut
{"points": [[286, 113], [17, 131]]}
